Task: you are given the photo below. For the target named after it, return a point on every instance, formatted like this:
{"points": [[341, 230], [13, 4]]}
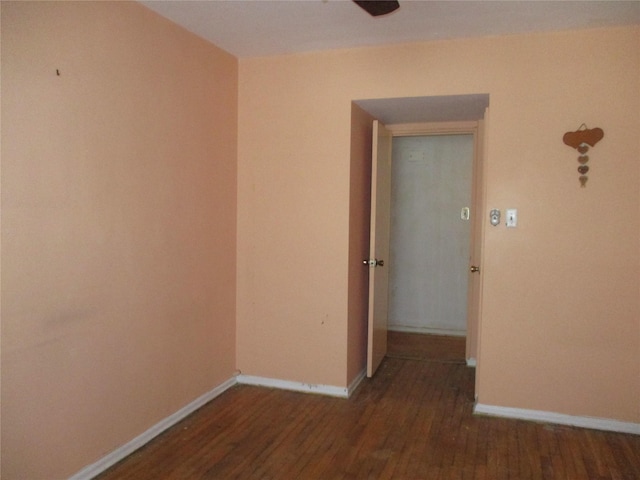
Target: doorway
{"points": [[439, 259], [413, 116]]}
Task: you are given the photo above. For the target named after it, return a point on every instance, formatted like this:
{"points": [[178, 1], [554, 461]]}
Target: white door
{"points": [[378, 262], [430, 233]]}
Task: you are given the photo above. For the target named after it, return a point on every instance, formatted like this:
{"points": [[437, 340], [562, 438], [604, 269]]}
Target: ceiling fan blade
{"points": [[378, 7]]}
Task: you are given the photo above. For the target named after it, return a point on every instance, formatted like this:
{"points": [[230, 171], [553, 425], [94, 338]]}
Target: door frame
{"points": [[474, 283]]}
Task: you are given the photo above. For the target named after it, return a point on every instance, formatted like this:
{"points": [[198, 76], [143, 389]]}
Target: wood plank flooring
{"points": [[426, 347], [413, 420]]}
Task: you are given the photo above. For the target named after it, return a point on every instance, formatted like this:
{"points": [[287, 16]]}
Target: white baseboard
{"points": [[127, 449], [427, 330], [471, 362], [558, 418], [329, 390]]}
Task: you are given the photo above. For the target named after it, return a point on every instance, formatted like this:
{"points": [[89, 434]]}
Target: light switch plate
{"points": [[512, 217]]}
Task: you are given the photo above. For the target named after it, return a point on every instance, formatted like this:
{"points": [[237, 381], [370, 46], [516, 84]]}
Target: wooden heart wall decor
{"points": [[581, 140]]}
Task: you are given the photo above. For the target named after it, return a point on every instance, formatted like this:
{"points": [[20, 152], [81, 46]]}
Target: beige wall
{"points": [[118, 228], [560, 315], [293, 223]]}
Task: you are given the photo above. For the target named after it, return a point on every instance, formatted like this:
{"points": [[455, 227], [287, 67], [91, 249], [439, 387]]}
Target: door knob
{"points": [[474, 269], [373, 262]]}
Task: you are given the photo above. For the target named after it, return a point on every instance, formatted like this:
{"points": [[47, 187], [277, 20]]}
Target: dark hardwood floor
{"points": [[426, 347], [413, 420]]}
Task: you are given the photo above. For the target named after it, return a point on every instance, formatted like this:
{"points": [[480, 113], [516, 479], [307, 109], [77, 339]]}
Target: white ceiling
{"points": [[249, 28]]}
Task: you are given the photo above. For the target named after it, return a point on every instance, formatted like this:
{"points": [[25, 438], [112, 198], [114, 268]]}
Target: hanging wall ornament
{"points": [[581, 140]]}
